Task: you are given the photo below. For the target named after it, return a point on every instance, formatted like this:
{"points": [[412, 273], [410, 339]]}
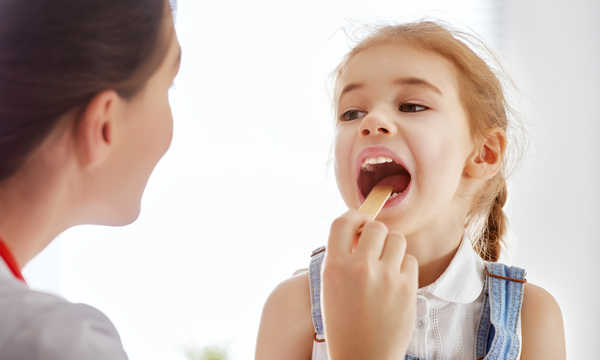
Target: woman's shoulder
{"points": [[38, 324], [541, 325], [286, 324]]}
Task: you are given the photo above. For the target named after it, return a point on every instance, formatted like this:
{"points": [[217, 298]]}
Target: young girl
{"points": [[418, 109]]}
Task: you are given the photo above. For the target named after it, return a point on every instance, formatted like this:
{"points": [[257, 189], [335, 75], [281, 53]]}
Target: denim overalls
{"points": [[497, 330]]}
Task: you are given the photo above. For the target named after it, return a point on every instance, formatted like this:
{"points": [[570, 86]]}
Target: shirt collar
{"points": [[463, 279]]}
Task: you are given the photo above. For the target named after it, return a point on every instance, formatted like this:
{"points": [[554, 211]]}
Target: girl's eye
{"points": [[352, 115], [408, 107]]}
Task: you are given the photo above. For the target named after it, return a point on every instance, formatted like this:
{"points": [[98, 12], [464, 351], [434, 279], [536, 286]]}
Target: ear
{"points": [[95, 132], [486, 159]]}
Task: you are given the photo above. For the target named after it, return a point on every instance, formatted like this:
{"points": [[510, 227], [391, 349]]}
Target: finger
{"points": [[410, 267], [372, 239], [394, 250], [343, 231]]}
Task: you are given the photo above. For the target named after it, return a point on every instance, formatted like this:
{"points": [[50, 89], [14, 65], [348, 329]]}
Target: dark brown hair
{"points": [[56, 55]]}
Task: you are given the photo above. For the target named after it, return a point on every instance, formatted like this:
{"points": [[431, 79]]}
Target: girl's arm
{"points": [[541, 326], [286, 330]]}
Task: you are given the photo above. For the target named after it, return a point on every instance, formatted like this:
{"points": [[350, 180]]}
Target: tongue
{"points": [[399, 182]]}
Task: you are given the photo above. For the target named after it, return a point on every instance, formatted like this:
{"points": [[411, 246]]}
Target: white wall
{"points": [[554, 52]]}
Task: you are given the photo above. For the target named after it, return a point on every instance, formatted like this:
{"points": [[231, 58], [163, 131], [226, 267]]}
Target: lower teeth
{"points": [[394, 195]]}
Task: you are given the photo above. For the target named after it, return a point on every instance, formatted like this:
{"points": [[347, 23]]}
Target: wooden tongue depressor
{"points": [[375, 200]]}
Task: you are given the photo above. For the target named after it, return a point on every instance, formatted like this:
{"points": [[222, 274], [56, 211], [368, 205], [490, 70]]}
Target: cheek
{"points": [[154, 132], [344, 171], [167, 120], [161, 128], [343, 155], [440, 156]]}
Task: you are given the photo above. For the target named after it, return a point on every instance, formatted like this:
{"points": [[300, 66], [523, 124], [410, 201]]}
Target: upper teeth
{"points": [[374, 161]]}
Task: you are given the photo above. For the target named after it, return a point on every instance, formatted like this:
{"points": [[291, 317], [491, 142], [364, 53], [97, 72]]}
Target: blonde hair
{"points": [[482, 96]]}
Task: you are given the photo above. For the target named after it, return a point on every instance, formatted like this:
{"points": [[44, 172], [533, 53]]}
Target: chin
{"points": [[122, 216], [133, 215]]}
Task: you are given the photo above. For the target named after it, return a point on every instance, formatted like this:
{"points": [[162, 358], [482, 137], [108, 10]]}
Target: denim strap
{"points": [[497, 332], [314, 278]]}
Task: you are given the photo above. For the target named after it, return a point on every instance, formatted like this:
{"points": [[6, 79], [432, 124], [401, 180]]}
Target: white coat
{"points": [[35, 326]]}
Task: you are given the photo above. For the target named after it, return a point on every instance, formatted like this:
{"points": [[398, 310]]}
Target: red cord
{"points": [[10, 260]]}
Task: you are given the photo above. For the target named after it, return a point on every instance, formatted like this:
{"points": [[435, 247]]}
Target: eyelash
{"points": [[345, 115]]}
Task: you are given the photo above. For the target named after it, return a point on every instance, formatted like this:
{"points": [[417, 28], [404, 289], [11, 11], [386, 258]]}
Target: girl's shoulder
{"points": [[537, 300], [542, 334], [542, 327], [286, 323]]}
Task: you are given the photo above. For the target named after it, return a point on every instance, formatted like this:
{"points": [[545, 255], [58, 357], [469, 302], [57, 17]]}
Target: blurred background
{"points": [[247, 190]]}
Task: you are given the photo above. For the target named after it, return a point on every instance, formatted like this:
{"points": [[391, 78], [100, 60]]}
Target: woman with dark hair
{"points": [[84, 118]]}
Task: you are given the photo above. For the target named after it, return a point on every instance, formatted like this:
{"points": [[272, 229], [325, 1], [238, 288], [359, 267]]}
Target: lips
{"points": [[380, 166]]}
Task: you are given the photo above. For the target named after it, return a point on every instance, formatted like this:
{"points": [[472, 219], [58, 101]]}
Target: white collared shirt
{"points": [[35, 326], [448, 311]]}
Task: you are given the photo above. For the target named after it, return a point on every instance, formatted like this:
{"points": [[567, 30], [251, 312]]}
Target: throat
{"points": [[434, 250]]}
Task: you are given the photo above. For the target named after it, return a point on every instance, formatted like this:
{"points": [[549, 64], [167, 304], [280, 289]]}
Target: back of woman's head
{"points": [[56, 55], [482, 97]]}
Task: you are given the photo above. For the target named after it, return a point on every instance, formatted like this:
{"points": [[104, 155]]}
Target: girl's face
{"points": [[400, 121]]}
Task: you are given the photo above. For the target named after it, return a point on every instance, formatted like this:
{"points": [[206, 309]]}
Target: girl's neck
{"points": [[434, 248]]}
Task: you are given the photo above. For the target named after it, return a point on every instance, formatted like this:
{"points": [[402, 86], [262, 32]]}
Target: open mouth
{"points": [[383, 170]]}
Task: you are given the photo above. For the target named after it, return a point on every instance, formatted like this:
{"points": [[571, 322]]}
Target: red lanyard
{"points": [[10, 260]]}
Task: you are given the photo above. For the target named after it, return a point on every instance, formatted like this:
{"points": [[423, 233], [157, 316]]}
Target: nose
{"points": [[374, 124]]}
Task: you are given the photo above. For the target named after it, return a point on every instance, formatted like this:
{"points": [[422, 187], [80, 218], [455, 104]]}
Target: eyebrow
{"points": [[410, 81], [414, 81]]}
